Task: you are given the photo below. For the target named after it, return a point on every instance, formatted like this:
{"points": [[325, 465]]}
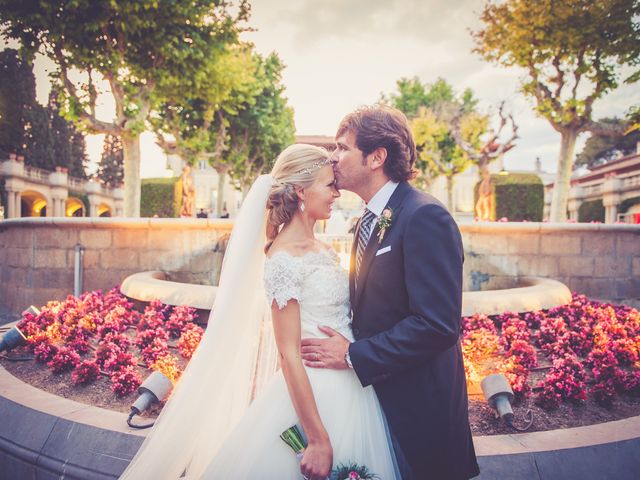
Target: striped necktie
{"points": [[363, 237]]}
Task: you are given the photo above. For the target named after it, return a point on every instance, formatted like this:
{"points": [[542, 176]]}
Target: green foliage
{"points": [[625, 205], [143, 48], [591, 211], [436, 113], [262, 128], [111, 166], [17, 96], [517, 197], [572, 53], [601, 148], [161, 197]]}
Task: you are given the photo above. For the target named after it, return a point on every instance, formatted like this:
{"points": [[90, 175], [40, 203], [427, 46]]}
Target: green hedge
{"points": [[591, 211], [161, 197], [517, 197], [627, 204]]}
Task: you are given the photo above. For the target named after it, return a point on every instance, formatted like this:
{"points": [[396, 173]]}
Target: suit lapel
{"points": [[395, 203]]}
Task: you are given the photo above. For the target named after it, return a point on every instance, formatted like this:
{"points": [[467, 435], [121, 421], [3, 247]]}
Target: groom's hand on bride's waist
{"points": [[325, 352]]}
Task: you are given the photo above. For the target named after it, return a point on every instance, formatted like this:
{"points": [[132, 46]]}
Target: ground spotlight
{"points": [[12, 339], [154, 389], [497, 392]]}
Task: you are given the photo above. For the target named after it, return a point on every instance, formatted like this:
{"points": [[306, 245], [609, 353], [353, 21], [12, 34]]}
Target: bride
{"points": [[225, 416]]}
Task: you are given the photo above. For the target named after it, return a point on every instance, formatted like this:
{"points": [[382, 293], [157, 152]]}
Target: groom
{"points": [[406, 295]]}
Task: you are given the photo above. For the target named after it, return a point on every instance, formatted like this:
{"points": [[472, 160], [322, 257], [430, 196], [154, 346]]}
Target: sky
{"points": [[341, 54]]}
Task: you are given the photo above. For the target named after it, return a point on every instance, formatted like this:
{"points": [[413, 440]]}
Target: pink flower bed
{"points": [[102, 334], [584, 348], [589, 348]]}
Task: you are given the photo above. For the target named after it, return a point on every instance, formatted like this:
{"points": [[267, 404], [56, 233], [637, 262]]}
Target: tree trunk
{"points": [[131, 153], [222, 174], [450, 205], [560, 197]]}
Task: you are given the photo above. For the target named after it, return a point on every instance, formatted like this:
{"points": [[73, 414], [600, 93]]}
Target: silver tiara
{"points": [[316, 166]]}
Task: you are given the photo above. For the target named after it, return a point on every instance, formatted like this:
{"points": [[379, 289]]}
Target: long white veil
{"points": [[236, 355]]}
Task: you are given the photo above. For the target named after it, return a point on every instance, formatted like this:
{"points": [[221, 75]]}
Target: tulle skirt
{"points": [[350, 413]]}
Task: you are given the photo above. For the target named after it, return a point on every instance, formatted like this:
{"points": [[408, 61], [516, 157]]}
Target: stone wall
{"points": [[600, 261], [37, 255]]}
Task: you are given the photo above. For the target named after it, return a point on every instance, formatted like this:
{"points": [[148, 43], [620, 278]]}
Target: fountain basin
{"points": [[528, 294]]}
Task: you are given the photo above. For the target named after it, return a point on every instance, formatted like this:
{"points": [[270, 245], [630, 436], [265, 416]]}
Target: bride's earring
{"points": [[301, 206]]}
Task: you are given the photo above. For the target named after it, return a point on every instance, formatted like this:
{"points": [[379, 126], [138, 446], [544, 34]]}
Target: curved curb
{"points": [[43, 432]]}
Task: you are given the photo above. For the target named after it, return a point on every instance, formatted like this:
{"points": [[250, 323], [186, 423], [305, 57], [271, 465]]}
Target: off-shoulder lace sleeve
{"points": [[282, 278]]}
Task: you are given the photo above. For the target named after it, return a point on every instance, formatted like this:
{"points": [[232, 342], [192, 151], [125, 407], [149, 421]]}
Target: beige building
{"points": [[616, 184], [33, 192]]}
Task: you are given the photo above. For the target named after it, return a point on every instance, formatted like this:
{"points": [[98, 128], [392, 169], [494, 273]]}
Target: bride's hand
{"points": [[317, 460], [325, 352]]}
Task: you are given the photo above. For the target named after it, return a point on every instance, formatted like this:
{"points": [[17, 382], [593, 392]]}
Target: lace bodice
{"points": [[319, 284]]}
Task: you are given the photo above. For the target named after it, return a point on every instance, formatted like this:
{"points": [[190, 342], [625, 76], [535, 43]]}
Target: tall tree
{"points": [[263, 126], [571, 52], [78, 163], [39, 142], [61, 132], [110, 168], [198, 117], [17, 96], [601, 148], [134, 45], [438, 116]]}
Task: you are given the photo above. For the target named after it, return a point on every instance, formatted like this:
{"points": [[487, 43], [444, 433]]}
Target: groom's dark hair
{"points": [[383, 126]]}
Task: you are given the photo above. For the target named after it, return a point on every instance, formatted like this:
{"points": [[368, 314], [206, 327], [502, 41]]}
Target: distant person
{"points": [[201, 213], [224, 213]]}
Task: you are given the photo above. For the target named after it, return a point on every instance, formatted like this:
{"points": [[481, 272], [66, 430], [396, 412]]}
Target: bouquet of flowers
{"points": [[294, 437]]}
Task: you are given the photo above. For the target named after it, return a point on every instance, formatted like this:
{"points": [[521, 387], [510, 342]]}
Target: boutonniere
{"points": [[384, 223]]}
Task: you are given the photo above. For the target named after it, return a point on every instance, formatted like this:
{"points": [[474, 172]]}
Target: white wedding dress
{"points": [[350, 413]]}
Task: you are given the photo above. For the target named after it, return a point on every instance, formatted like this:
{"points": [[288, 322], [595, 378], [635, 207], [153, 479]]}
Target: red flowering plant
{"points": [[154, 316], [145, 338], [64, 360], [106, 352], [119, 339], [120, 361], [85, 373], [498, 320], [79, 346], [189, 340], [167, 365], [125, 381], [180, 318], [44, 351], [513, 329], [478, 321], [156, 349], [565, 381]]}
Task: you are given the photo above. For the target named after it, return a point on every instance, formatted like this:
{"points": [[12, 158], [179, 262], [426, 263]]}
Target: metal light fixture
{"points": [[497, 392], [153, 390], [12, 339]]}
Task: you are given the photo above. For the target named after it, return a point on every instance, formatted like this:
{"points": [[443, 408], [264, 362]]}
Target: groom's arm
{"points": [[433, 259]]}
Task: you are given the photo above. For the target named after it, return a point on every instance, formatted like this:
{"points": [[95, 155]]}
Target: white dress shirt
{"points": [[380, 199]]}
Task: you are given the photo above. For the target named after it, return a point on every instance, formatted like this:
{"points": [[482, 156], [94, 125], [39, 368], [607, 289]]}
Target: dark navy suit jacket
{"points": [[406, 322]]}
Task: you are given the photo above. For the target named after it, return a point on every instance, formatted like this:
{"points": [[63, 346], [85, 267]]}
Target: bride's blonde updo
{"points": [[296, 166]]}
